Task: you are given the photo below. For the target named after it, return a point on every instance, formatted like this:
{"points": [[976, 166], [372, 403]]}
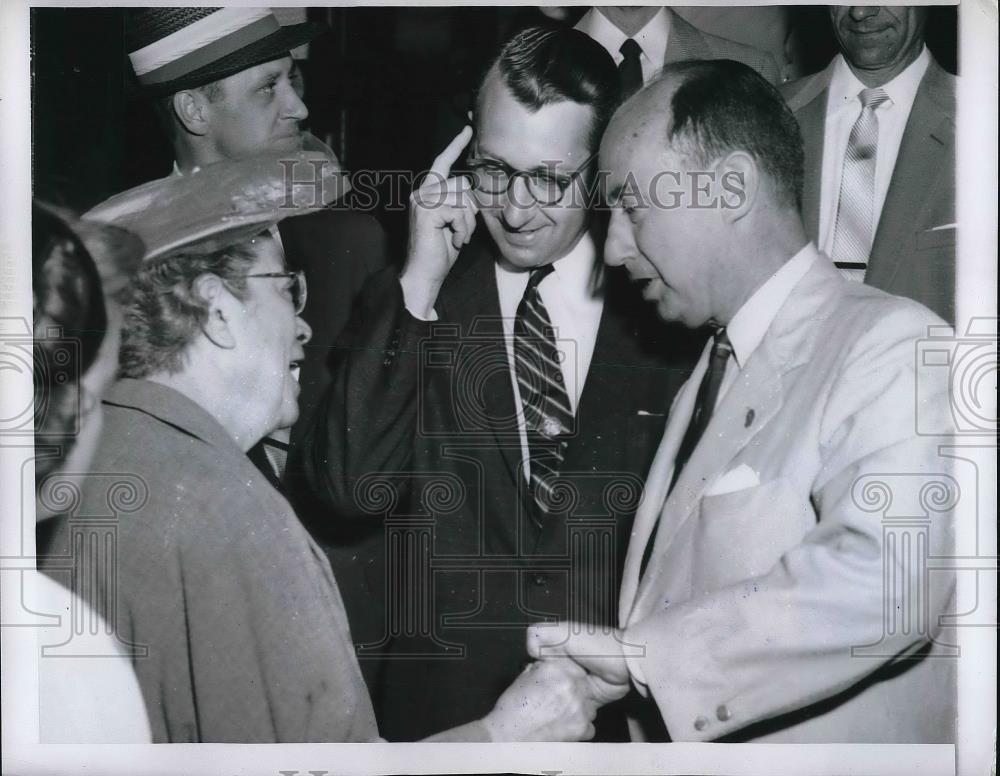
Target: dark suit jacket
{"points": [[688, 42], [338, 250], [419, 429], [910, 255]]}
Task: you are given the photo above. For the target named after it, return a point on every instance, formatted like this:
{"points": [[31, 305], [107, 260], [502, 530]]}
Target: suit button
{"points": [[541, 579], [723, 713], [701, 723]]}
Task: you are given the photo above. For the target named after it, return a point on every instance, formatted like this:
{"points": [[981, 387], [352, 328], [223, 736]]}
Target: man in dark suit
{"points": [[498, 401], [642, 39], [883, 204]]}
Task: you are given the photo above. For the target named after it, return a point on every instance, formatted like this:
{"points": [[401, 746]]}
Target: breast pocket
{"points": [[742, 534], [936, 238]]}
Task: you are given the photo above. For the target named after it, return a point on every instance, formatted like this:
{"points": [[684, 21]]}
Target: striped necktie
{"points": [[548, 416], [854, 230]]}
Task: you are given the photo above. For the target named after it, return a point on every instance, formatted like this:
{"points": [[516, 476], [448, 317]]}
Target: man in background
{"points": [[226, 87], [642, 39], [879, 131]]}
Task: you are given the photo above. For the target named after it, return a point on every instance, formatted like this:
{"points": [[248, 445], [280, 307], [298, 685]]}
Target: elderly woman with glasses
{"points": [[214, 583]]}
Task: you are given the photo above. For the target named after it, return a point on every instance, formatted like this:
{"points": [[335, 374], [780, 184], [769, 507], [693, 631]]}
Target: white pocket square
{"points": [[740, 478]]}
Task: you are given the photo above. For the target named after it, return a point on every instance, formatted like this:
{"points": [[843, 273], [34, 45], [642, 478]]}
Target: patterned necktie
{"points": [[854, 230], [630, 69], [547, 412], [704, 406]]}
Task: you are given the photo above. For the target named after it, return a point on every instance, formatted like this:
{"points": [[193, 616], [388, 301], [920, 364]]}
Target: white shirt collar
{"points": [[754, 318], [652, 38], [902, 90], [573, 273], [178, 171]]}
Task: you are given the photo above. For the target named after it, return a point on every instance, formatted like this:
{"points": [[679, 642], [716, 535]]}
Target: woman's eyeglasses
{"points": [[297, 289]]}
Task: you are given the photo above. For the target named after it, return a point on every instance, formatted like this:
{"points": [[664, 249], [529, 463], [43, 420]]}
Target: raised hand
{"points": [[549, 701], [442, 220], [599, 651]]}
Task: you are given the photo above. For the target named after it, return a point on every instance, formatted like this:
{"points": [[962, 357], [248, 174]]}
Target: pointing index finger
{"points": [[442, 164]]}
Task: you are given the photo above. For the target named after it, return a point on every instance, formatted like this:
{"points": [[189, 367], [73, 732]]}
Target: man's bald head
{"points": [[704, 110]]}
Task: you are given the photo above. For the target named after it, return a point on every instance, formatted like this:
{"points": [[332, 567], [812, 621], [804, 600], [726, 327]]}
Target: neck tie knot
{"points": [[872, 98], [538, 274], [722, 349], [630, 49], [630, 68]]}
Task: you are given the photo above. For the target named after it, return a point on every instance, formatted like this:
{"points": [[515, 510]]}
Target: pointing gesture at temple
{"points": [[442, 220]]}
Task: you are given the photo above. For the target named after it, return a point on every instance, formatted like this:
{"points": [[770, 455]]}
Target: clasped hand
{"points": [[579, 669]]}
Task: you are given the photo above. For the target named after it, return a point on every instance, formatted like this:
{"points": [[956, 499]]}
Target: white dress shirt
{"points": [[842, 109], [574, 306], [746, 330], [652, 39]]}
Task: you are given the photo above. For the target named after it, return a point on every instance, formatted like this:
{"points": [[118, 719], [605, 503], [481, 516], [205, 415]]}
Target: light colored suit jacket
{"points": [[763, 613], [913, 253]]}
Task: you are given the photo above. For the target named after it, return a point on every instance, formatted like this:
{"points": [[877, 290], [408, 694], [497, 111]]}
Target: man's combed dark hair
{"points": [[723, 106], [543, 66], [167, 313]]}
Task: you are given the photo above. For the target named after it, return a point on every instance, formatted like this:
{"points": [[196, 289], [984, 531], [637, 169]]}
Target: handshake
{"points": [[578, 669]]}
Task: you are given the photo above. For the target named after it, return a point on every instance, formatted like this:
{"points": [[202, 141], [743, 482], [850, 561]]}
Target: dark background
{"points": [[387, 88]]}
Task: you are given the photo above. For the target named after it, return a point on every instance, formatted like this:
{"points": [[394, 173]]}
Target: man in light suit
{"points": [[753, 592], [910, 211], [642, 39]]}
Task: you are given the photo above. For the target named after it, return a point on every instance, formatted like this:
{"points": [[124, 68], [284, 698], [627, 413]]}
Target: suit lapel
{"points": [[655, 488], [757, 388], [473, 302], [812, 122], [926, 146], [684, 41]]}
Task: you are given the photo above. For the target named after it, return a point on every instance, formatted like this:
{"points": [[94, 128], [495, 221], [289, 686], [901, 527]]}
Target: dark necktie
{"points": [[704, 405], [547, 413], [630, 69]]}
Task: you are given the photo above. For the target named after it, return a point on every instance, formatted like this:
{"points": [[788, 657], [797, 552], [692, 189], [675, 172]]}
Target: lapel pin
{"points": [[750, 416]]}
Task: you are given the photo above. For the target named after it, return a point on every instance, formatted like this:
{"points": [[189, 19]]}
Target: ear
{"points": [[191, 109], [739, 185], [220, 327]]}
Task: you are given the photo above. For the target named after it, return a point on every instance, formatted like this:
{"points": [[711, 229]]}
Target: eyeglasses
{"points": [[297, 289], [493, 177]]}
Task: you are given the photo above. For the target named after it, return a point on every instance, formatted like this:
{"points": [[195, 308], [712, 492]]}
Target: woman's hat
{"points": [[180, 48], [223, 203]]}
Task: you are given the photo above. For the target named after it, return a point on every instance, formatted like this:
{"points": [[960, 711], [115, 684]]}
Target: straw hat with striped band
{"points": [[180, 48]]}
